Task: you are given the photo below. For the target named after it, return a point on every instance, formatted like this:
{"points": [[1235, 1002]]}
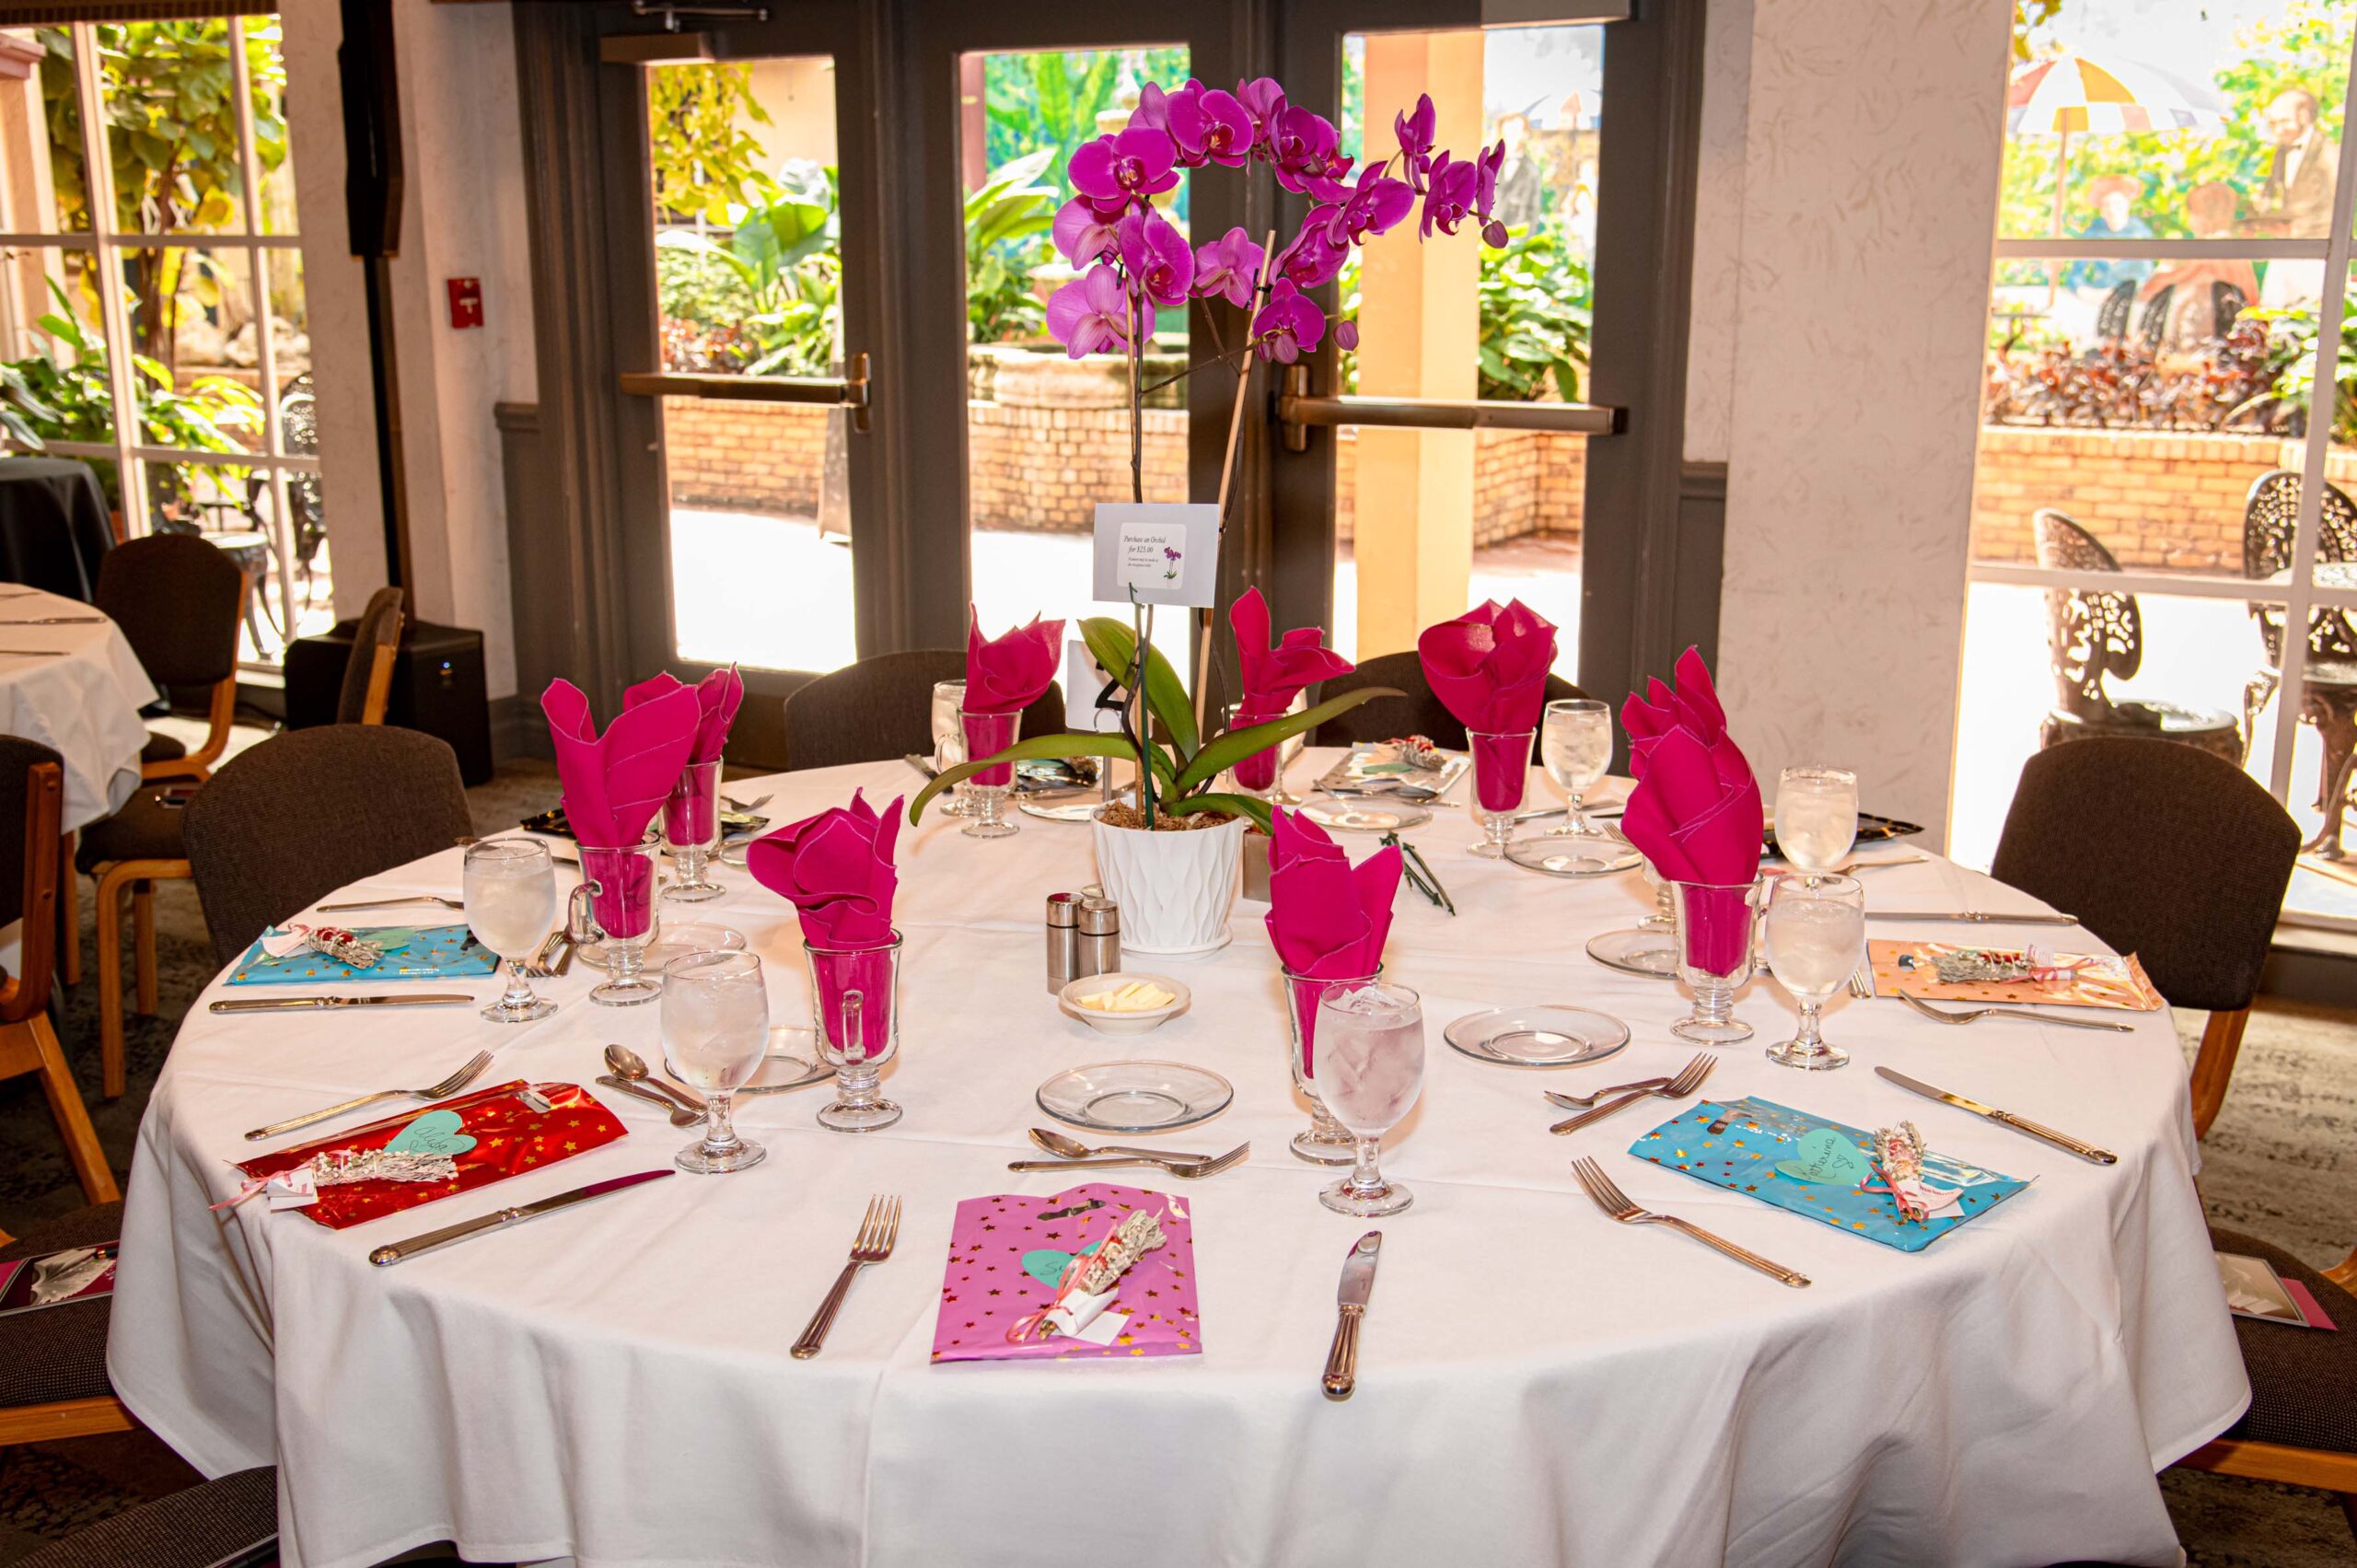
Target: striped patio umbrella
{"points": [[2071, 94]]}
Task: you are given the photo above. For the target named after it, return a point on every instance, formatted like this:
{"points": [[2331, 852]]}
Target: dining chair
{"points": [[179, 601], [231, 1522], [2299, 1430], [1417, 713], [2327, 695], [375, 648], [53, 1363], [880, 709], [32, 790], [2168, 853], [291, 819]]}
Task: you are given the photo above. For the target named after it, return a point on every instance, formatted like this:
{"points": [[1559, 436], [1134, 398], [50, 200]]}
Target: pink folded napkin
{"points": [[1008, 674], [1696, 812], [615, 783], [836, 870], [1327, 918], [718, 696], [1273, 676], [1489, 666]]}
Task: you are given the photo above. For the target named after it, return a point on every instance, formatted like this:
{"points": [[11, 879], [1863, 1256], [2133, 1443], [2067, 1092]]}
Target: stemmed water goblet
{"points": [[1370, 1069], [715, 1030], [1817, 817], [510, 890], [1816, 938], [1575, 747]]}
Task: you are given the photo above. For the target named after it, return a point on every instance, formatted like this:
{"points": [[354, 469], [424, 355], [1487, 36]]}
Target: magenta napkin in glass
{"points": [[1273, 676], [1696, 812], [718, 696], [1489, 666], [1008, 674], [1327, 918], [836, 870], [615, 783], [1006, 1253]]}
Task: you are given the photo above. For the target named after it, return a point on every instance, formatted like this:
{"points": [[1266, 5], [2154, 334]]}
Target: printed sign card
{"points": [[1167, 552]]}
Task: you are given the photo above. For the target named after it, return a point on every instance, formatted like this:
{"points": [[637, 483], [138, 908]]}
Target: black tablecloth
{"points": [[53, 525]]}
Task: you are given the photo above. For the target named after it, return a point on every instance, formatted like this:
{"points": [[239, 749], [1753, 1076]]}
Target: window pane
{"points": [[290, 337], [1429, 523], [196, 347], [172, 124], [2133, 107], [2129, 410], [1047, 435], [40, 134], [266, 70], [50, 335]]}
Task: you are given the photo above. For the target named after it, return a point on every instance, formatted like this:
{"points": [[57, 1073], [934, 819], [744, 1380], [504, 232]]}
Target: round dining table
{"points": [[611, 1384], [76, 688]]}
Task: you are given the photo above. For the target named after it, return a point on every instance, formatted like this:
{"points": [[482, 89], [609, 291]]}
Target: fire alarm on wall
{"points": [[466, 302]]}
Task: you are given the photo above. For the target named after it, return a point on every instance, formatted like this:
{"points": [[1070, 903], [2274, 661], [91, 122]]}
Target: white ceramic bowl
{"points": [[1120, 1023]]}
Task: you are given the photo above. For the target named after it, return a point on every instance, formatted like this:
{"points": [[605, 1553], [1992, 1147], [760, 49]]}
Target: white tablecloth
{"points": [[1537, 1384], [83, 704]]}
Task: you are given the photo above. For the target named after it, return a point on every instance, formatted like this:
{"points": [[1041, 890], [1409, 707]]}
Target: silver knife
{"points": [[1975, 917], [287, 1004], [2085, 1151], [921, 764], [395, 1251], [392, 903], [1358, 1283]]}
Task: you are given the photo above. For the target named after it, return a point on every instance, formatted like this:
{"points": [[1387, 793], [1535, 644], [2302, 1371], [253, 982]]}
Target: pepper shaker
{"points": [[1063, 940], [1101, 936]]}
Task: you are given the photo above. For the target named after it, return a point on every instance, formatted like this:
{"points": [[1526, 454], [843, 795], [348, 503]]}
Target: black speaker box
{"points": [[437, 687]]}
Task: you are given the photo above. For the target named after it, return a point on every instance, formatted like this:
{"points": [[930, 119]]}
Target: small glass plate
{"points": [[1648, 952], [671, 942], [1574, 855], [791, 1064], [1135, 1097], [1544, 1034], [1079, 810], [1343, 817]]}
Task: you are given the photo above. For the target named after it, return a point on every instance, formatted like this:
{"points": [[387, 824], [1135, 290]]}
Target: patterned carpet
{"points": [[2281, 1162]]}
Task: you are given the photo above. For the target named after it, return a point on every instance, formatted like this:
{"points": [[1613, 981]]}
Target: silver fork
{"points": [[392, 903], [1690, 1079], [1188, 1169], [1582, 1102], [538, 967], [449, 1086], [877, 1231], [1615, 1202], [1974, 1015]]}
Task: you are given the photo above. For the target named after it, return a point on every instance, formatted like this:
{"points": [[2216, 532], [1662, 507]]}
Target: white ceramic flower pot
{"points": [[1174, 889]]}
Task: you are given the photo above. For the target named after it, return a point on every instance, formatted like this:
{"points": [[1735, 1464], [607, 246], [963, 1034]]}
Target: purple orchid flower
{"points": [[1485, 195], [1169, 553], [1210, 126], [1377, 204], [1153, 107], [1288, 326], [1346, 332], [1415, 134], [1117, 172], [1317, 252], [1081, 233], [1156, 257], [1091, 314], [1448, 195], [1306, 148], [1263, 100], [1228, 266]]}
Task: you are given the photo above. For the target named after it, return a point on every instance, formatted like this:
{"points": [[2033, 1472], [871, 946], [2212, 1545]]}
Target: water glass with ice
{"points": [[1817, 817], [510, 891], [716, 1029], [1370, 1070], [1816, 938]]}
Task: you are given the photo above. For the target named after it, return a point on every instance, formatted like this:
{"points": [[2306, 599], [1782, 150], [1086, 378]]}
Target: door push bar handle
{"points": [[1297, 412], [848, 392]]}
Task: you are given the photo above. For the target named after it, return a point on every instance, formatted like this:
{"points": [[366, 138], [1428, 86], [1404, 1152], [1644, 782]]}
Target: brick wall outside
{"points": [[2157, 500], [1041, 469]]}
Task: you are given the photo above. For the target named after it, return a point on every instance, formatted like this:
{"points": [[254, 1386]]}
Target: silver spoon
{"points": [[681, 1115], [628, 1064], [1074, 1149]]}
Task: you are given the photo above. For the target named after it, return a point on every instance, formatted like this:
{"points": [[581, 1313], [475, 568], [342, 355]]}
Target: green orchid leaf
{"points": [[1038, 746], [1114, 645], [1236, 745]]}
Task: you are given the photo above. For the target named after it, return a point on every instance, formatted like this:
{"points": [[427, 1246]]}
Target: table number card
{"points": [[1084, 681], [1161, 551]]}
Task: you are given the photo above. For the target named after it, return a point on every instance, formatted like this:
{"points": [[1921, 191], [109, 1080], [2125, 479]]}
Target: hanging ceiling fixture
{"points": [[717, 10]]}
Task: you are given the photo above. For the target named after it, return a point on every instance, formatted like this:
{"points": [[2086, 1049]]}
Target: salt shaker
{"points": [[1063, 940], [1101, 936]]}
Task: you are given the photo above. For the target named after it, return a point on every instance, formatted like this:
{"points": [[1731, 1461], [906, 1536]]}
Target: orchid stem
{"points": [[1199, 365]]}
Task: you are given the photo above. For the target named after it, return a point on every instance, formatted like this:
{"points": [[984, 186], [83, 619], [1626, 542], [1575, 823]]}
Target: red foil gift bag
{"points": [[510, 1137]]}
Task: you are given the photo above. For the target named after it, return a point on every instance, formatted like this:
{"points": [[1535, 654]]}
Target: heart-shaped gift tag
{"points": [[433, 1132], [1046, 1265], [1827, 1157]]}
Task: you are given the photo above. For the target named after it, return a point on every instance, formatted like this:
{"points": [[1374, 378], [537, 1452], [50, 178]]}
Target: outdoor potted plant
{"points": [[1170, 857]]}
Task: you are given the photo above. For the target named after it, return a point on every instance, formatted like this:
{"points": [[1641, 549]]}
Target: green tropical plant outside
{"points": [[1536, 295], [1184, 763], [1005, 221]]}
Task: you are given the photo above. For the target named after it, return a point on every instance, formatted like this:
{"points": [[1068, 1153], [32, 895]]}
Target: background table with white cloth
{"points": [[78, 690], [1537, 1383]]}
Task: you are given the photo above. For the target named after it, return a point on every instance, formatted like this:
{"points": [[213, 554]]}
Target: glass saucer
{"points": [[1649, 952], [671, 942], [1135, 1097], [1543, 1034], [1574, 855], [791, 1064], [1341, 816], [1079, 810]]}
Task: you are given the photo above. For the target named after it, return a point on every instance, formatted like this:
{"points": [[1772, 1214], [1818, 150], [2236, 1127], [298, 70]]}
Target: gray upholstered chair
{"points": [[229, 1523], [2168, 853], [368, 673], [53, 1363], [1417, 713], [180, 601], [881, 708], [300, 815], [32, 793]]}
